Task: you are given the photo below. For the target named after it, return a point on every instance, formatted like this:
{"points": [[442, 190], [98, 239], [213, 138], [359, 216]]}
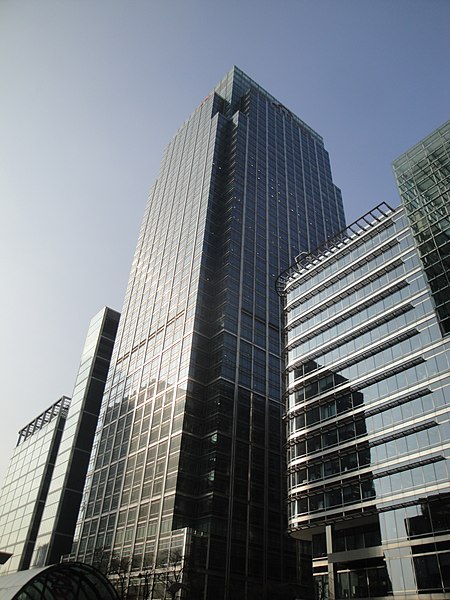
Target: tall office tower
{"points": [[368, 408], [423, 179], [41, 497], [188, 467], [26, 485], [57, 527]]}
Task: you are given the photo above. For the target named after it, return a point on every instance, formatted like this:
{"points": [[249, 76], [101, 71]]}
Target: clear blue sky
{"points": [[92, 91]]}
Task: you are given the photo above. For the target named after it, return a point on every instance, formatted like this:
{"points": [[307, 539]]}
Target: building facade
{"points": [[41, 496], [367, 414], [188, 460], [27, 481], [57, 526], [423, 179]]}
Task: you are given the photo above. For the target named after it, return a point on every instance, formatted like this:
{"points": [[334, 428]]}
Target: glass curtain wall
{"points": [[367, 387], [188, 456], [423, 179]]}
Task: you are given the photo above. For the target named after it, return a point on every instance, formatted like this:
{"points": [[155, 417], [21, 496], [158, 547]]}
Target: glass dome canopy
{"points": [[68, 581]]}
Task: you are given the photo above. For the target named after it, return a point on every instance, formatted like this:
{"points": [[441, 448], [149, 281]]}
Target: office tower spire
{"points": [[188, 458]]}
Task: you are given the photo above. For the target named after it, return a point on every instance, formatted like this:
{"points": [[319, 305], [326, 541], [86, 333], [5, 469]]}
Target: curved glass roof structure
{"points": [[68, 581]]}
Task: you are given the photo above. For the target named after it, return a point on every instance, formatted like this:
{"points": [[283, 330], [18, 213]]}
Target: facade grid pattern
{"points": [[188, 455], [367, 416], [56, 529], [423, 179], [26, 485]]}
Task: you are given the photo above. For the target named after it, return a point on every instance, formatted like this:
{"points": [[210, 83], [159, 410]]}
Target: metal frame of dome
{"points": [[64, 581]]}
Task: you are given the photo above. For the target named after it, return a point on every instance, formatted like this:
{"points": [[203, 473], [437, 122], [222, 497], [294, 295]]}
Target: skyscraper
{"points": [[423, 180], [188, 457], [59, 517], [40, 499], [25, 490]]}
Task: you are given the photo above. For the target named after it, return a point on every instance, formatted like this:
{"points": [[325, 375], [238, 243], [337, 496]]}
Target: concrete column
{"points": [[331, 573]]}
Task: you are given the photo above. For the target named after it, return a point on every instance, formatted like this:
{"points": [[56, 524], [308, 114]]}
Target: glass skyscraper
{"points": [[59, 516], [25, 490], [367, 414], [423, 179], [188, 464], [41, 496]]}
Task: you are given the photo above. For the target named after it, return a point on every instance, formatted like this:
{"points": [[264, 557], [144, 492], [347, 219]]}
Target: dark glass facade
{"points": [[188, 455], [367, 415], [57, 526], [423, 179]]}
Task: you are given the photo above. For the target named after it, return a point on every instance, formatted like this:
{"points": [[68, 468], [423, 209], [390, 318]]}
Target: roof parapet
{"points": [[305, 259]]}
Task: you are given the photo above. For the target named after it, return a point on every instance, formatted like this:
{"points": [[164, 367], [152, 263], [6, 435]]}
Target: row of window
{"points": [[381, 420], [373, 238], [352, 492], [403, 443]]}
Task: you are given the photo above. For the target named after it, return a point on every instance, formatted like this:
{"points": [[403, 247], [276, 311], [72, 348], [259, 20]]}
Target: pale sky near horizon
{"points": [[93, 90]]}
